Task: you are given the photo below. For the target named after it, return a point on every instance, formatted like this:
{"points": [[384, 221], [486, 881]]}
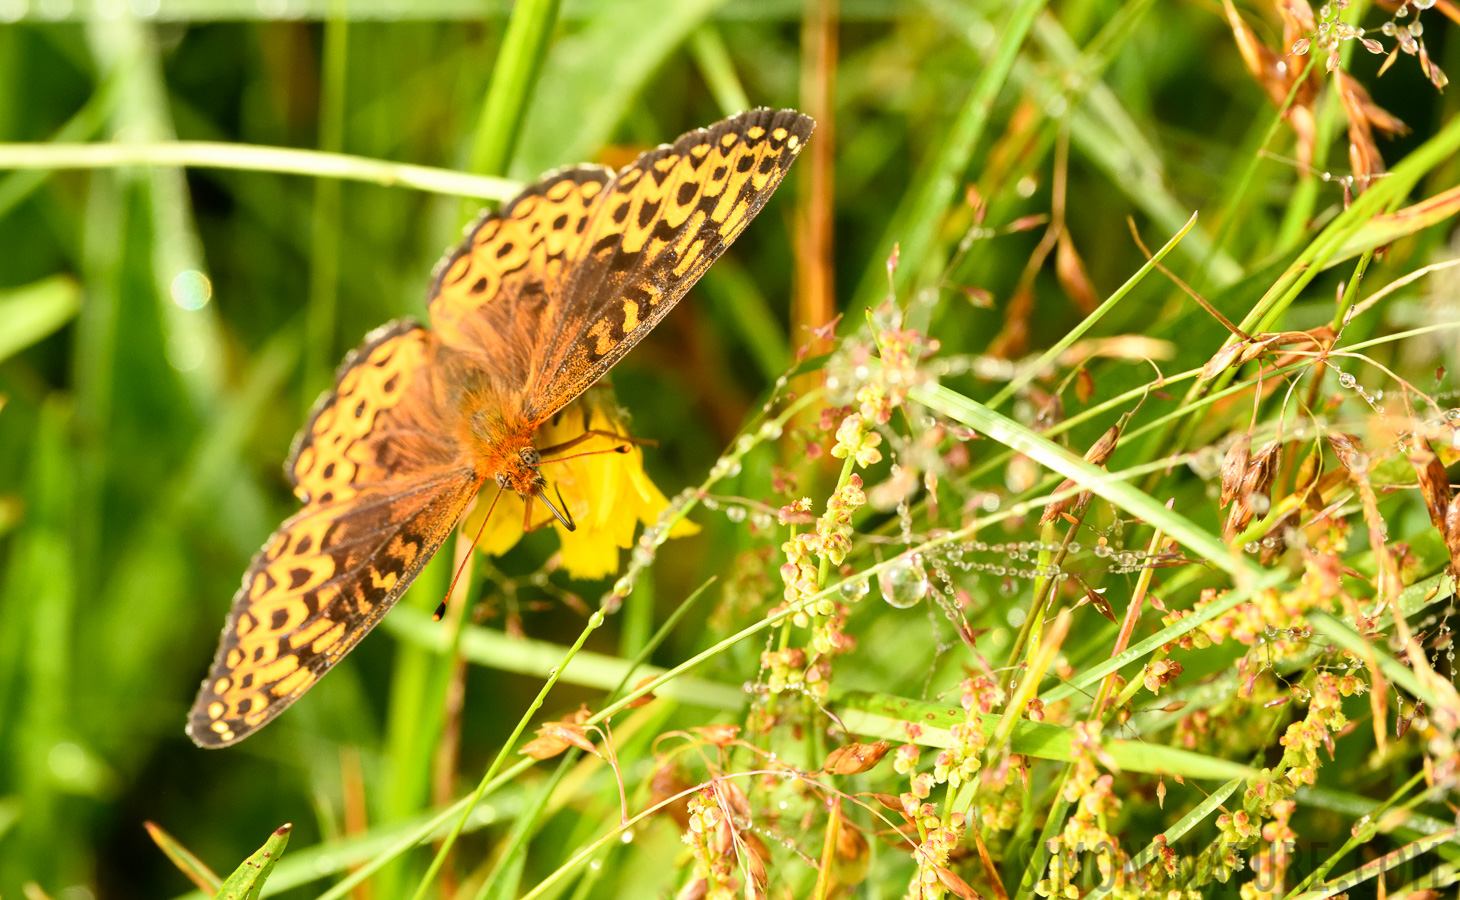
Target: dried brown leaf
{"points": [[1084, 385], [644, 699], [1451, 531], [1434, 483], [719, 735], [955, 884], [1222, 360], [1350, 452], [666, 781], [1069, 269], [854, 759], [1234, 466]]}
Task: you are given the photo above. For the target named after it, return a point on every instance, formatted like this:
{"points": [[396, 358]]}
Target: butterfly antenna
{"points": [[565, 519], [441, 609]]}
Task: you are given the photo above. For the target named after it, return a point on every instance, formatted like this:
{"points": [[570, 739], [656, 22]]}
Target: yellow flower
{"points": [[605, 493]]}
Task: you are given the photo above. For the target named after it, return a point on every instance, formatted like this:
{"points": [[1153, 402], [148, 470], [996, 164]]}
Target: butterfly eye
{"points": [[530, 456]]}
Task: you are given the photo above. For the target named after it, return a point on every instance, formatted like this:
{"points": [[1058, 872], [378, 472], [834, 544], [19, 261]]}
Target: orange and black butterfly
{"points": [[538, 302]]}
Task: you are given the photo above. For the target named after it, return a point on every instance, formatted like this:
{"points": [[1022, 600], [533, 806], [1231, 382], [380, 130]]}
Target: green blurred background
{"points": [[162, 333]]}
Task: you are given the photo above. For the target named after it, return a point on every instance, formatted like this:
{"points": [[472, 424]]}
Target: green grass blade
{"points": [[519, 60], [1022, 439], [195, 869], [253, 158], [1377, 867], [84, 125], [887, 717], [1047, 358], [713, 59], [35, 311], [247, 881], [914, 224], [491, 648], [1176, 832], [1393, 669], [593, 81], [324, 251]]}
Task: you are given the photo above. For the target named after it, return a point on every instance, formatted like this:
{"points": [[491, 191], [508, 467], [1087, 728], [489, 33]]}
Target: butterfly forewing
{"points": [[652, 233], [491, 293], [383, 485]]}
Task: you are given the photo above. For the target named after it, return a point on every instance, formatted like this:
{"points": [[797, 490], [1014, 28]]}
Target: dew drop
{"points": [[853, 591], [904, 582]]}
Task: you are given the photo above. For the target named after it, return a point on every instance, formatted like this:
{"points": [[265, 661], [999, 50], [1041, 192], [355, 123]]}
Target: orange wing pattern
{"points": [[653, 232], [540, 299], [383, 485], [490, 294]]}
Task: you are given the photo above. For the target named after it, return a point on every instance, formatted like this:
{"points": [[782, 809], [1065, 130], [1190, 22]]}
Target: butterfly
{"points": [[538, 302]]}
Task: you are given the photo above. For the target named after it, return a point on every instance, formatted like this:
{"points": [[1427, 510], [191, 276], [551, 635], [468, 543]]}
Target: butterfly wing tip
{"points": [[200, 731]]}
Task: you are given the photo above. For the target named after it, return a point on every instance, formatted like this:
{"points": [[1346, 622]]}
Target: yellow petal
{"points": [[606, 493]]}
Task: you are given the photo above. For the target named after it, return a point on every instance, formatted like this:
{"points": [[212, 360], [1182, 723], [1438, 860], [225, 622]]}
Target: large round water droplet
{"points": [[905, 582]]}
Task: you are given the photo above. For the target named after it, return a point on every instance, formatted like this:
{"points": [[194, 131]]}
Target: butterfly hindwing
{"points": [[298, 614], [653, 232], [383, 486]]}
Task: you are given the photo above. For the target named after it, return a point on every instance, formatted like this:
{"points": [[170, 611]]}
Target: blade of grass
{"points": [[1174, 833], [31, 313], [248, 880], [716, 67], [1227, 601], [1348, 639], [83, 126], [914, 225], [333, 857], [493, 649], [195, 869], [735, 299], [1047, 358], [595, 621], [124, 47], [513, 856], [519, 62], [324, 250], [1022, 439], [249, 157], [887, 717], [1052, 825], [592, 80], [1362, 832], [1377, 867]]}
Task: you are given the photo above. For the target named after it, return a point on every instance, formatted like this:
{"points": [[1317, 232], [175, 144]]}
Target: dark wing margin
{"points": [[298, 613]]}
